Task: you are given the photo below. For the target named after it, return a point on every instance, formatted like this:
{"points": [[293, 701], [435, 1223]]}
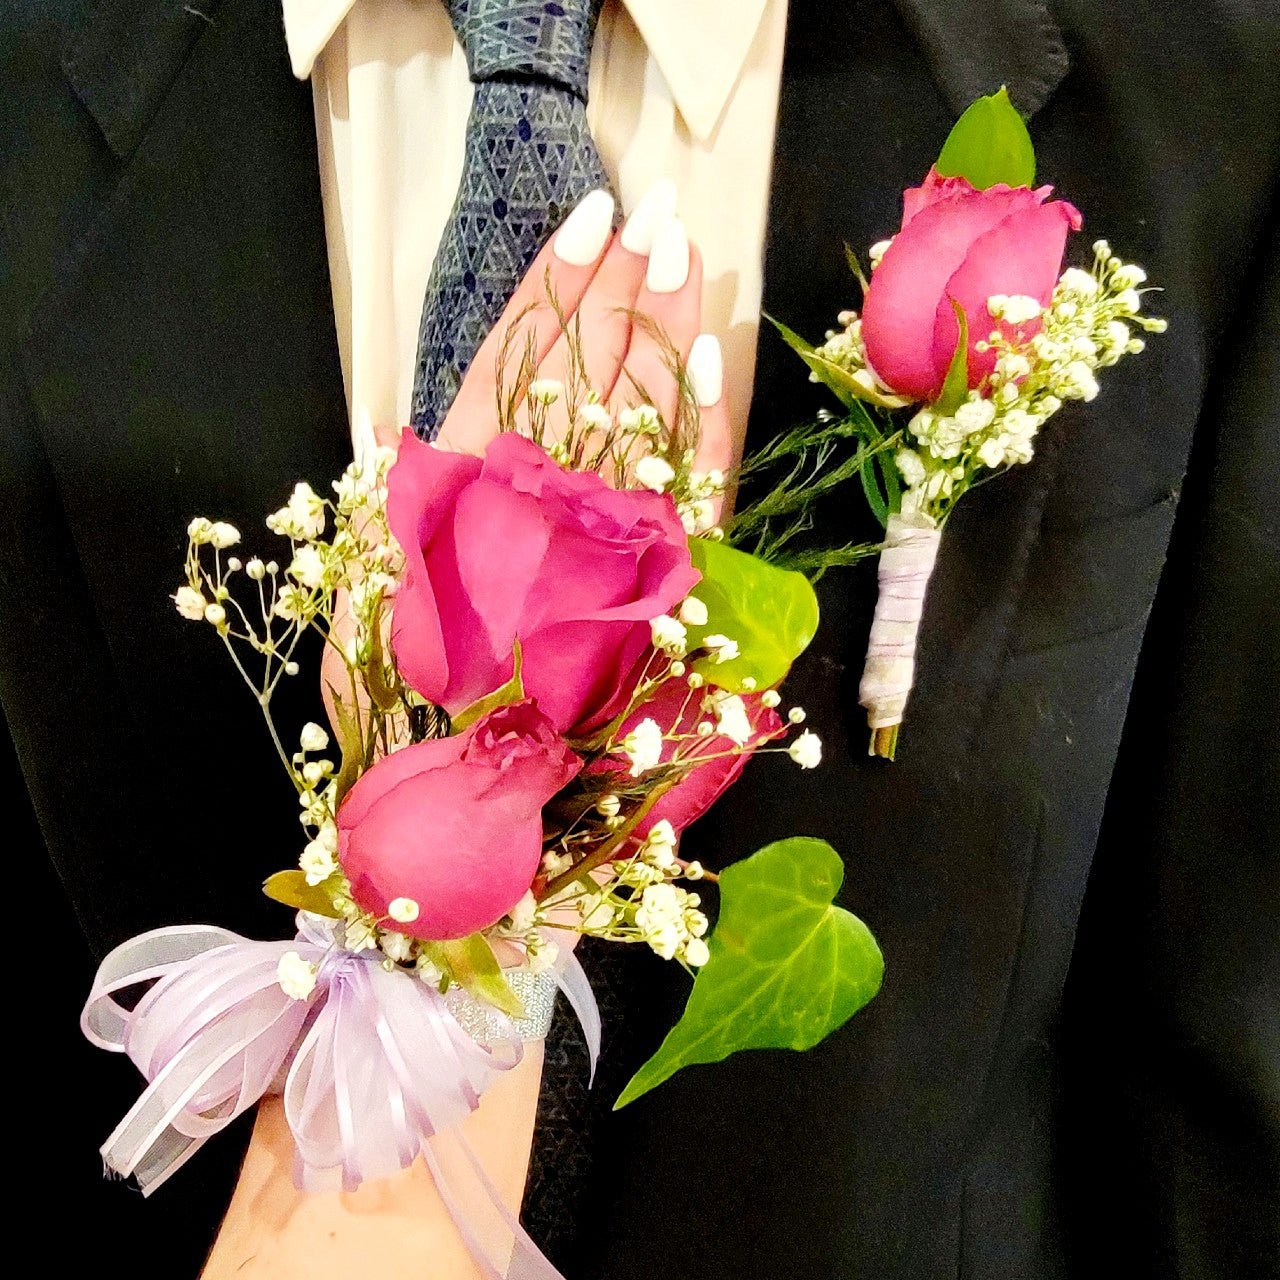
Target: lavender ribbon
{"points": [[374, 1068]]}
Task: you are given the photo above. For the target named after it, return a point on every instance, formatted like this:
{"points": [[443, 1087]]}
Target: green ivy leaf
{"points": [[504, 696], [470, 963], [291, 888], [955, 386], [989, 144], [772, 613], [786, 969]]}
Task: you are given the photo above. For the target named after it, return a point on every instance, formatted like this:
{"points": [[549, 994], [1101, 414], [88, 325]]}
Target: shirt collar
{"points": [[309, 26], [700, 45]]}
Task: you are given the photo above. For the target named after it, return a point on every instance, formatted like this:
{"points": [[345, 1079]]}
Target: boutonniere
{"points": [[970, 337]]}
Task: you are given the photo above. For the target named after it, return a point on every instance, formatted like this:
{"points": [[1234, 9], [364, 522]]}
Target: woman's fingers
{"points": [[634, 301], [601, 326], [669, 311], [716, 448], [705, 370], [605, 313], [566, 266]]}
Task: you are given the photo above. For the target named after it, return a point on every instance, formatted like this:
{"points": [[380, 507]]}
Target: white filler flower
{"points": [[643, 746], [732, 721], [654, 473], [693, 612], [297, 977], [806, 750]]}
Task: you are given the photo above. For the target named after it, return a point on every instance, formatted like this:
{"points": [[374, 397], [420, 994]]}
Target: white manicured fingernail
{"points": [[669, 258], [656, 206], [582, 235], [706, 370]]}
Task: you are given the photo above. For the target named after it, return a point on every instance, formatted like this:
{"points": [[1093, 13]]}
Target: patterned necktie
{"points": [[529, 160]]}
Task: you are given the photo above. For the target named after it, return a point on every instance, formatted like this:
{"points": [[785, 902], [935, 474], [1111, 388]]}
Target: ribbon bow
{"points": [[374, 1068]]}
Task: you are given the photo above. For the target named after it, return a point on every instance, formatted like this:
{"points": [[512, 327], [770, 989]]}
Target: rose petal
{"points": [[1022, 255], [422, 488], [394, 769], [903, 296], [501, 539], [465, 863]]}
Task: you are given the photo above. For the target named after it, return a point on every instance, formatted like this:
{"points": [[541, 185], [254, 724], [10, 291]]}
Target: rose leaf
{"points": [[292, 889], [955, 386], [787, 966], [383, 695], [470, 963], [989, 144], [852, 392], [503, 696], [351, 742]]}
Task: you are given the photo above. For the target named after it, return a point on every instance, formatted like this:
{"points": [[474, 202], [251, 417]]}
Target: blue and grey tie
{"points": [[529, 160]]}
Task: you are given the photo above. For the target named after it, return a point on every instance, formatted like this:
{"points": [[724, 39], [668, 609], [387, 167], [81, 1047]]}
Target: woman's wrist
{"points": [[272, 1229]]}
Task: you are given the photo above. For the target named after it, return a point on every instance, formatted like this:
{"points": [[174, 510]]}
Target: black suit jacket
{"points": [[168, 348]]}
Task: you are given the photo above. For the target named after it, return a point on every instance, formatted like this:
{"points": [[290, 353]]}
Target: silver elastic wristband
{"points": [[485, 1024]]}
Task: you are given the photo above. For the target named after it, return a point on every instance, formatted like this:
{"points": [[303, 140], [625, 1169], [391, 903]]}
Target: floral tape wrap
{"points": [[906, 564], [375, 1067]]}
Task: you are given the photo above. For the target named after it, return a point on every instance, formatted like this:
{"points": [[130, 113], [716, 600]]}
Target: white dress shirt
{"points": [[679, 89]]}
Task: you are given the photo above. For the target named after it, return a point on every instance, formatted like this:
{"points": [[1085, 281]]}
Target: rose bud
{"points": [[963, 245], [454, 825], [513, 546]]}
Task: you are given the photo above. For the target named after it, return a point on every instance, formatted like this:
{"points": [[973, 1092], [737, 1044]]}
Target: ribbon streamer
{"points": [[373, 1067]]}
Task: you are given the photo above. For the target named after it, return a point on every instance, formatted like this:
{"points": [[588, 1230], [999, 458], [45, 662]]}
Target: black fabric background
{"points": [[168, 347]]}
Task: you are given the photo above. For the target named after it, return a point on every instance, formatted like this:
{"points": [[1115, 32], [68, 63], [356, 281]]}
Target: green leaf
{"points": [[291, 888], [384, 697], [352, 744], [855, 266], [771, 613], [470, 963], [955, 386], [787, 967], [876, 500], [846, 388], [889, 478], [989, 144], [503, 696]]}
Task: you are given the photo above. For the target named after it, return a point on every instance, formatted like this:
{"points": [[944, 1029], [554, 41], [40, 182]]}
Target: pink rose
{"points": [[455, 824], [513, 545], [959, 243], [703, 785]]}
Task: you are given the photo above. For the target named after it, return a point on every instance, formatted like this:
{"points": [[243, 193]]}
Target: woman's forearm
{"points": [[396, 1226]]}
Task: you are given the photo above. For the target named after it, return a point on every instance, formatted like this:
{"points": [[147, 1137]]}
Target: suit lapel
{"points": [[122, 60], [975, 46]]}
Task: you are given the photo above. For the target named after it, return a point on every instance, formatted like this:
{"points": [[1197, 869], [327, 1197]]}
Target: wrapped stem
{"points": [[906, 565]]}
